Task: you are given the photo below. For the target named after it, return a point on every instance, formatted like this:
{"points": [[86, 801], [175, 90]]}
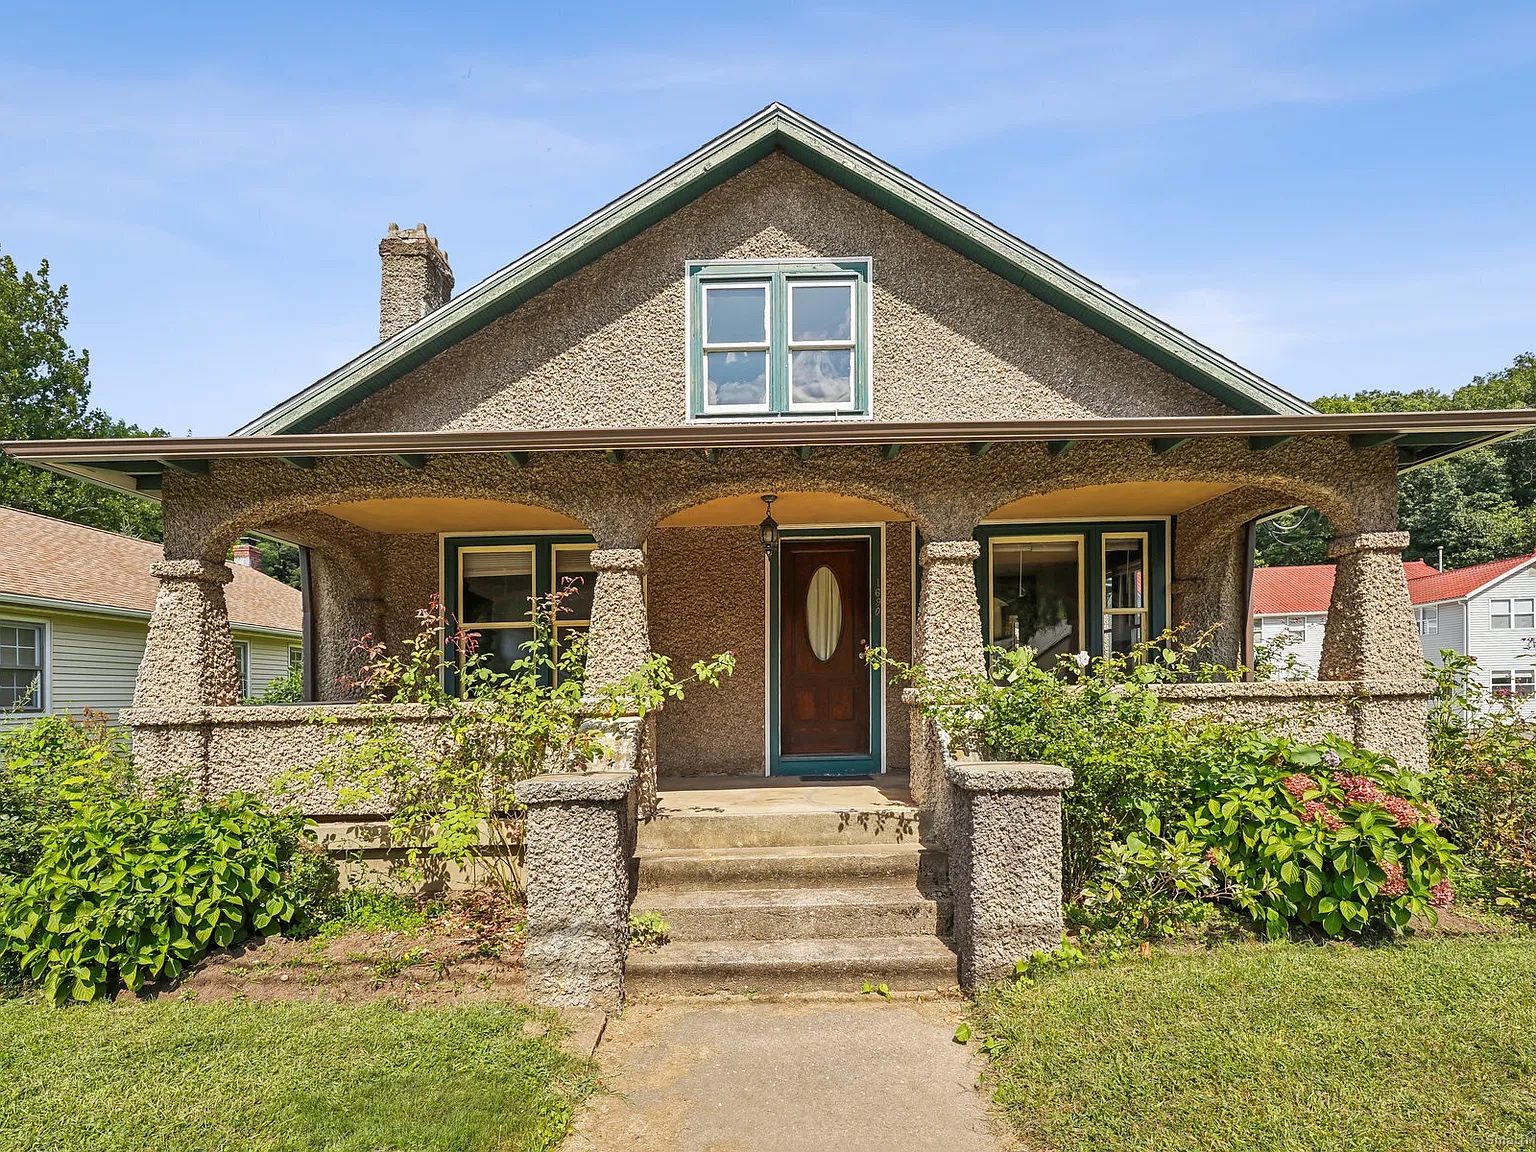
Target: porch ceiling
{"points": [[136, 464], [1167, 498], [444, 514]]}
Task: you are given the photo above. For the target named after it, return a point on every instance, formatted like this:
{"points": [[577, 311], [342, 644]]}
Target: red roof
{"points": [[1459, 582], [1308, 588]]}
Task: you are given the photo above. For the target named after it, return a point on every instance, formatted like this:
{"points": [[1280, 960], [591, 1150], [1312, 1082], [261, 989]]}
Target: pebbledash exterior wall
{"points": [[607, 346]]}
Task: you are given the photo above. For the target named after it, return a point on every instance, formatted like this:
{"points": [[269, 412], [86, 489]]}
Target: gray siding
{"points": [[92, 662]]}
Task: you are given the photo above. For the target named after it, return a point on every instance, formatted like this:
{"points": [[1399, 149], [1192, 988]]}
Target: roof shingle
{"points": [[1308, 588], [58, 560]]}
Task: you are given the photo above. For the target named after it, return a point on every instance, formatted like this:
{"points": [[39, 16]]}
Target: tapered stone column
{"points": [[619, 641], [1371, 634], [188, 666], [189, 656], [949, 614], [949, 646]]}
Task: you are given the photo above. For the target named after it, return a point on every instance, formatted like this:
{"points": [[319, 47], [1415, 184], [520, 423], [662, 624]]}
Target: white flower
{"points": [[1082, 659]]}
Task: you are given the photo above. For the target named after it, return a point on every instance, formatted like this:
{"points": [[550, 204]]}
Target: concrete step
{"points": [[785, 827], [880, 910], [905, 963], [802, 865]]}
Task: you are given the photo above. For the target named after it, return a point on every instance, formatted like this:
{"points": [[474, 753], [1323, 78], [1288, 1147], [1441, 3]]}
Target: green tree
{"points": [[1478, 506], [45, 394]]}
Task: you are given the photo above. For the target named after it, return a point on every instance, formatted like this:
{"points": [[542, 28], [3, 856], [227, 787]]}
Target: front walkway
{"points": [[788, 1076]]}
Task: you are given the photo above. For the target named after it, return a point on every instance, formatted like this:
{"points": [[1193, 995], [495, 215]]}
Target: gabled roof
{"points": [[1307, 588], [48, 563], [1292, 591], [779, 128], [1459, 583]]}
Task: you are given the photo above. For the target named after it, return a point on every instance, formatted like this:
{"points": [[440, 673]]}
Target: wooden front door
{"points": [[823, 628]]}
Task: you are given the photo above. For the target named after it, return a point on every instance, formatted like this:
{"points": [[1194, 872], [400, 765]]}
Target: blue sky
{"points": [[1338, 195]]}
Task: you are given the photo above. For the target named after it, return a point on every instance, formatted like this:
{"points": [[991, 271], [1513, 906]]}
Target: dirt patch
{"points": [[471, 952]]}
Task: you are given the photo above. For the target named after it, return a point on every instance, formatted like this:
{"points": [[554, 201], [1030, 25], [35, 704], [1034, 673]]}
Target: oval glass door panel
{"points": [[824, 613]]}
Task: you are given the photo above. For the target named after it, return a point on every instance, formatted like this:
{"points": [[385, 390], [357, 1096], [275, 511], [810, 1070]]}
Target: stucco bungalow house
{"points": [[968, 443], [75, 606]]}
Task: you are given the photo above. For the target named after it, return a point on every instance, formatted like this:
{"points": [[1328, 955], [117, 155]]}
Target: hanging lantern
{"points": [[769, 528]]}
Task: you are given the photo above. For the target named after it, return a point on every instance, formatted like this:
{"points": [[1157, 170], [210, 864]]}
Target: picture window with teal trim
{"points": [[781, 338], [1067, 588], [491, 584]]}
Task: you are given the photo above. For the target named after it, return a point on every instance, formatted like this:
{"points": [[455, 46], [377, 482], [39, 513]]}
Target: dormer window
{"points": [[782, 338]]}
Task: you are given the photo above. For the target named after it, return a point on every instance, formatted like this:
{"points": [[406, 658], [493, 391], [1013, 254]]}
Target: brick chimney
{"points": [[416, 278], [247, 554]]}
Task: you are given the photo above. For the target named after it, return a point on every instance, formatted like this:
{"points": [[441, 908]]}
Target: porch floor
{"points": [[779, 795]]}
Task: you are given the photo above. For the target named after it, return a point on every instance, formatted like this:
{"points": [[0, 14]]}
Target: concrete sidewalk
{"points": [[788, 1076]]}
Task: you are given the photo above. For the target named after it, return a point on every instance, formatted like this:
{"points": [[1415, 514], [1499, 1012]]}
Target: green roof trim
{"points": [[779, 128]]}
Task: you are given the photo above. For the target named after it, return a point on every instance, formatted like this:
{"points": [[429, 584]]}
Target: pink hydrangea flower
{"points": [[1359, 789], [1298, 784], [1442, 894], [1212, 858], [1403, 811], [1317, 810], [1396, 885]]}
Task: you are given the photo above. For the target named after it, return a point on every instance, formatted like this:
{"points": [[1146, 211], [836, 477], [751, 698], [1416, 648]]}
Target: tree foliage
{"points": [[1478, 506], [45, 394]]}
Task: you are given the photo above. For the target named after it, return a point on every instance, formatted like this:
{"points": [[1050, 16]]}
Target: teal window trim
{"points": [[846, 765], [543, 545], [1093, 533], [778, 275]]}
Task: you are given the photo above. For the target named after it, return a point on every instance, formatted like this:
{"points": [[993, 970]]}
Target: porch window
{"points": [[1036, 597], [574, 580], [1519, 682], [21, 666], [496, 600], [1126, 616], [781, 338], [493, 584], [1092, 587]]}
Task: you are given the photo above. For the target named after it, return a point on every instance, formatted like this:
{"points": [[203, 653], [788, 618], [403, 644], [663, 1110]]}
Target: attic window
{"points": [[787, 338]]}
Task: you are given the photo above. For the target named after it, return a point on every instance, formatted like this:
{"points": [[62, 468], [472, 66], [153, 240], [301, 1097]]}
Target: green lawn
{"points": [[1425, 1045], [170, 1076]]}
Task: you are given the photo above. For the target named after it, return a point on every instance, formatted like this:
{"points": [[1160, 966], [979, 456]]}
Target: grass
{"points": [[1424, 1045], [174, 1076]]}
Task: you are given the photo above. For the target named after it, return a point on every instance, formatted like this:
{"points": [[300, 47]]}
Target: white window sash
{"points": [[765, 347], [851, 345]]}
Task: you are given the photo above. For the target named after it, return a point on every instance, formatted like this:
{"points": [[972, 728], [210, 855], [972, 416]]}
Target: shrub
{"points": [[501, 727], [131, 890], [1131, 757], [286, 689], [1483, 752], [41, 765], [1322, 834]]}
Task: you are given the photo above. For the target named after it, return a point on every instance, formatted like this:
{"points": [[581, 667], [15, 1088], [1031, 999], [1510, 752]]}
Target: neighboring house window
{"points": [[780, 338], [295, 658], [1429, 620], [1517, 614], [21, 666], [1296, 628], [1520, 682], [243, 663]]}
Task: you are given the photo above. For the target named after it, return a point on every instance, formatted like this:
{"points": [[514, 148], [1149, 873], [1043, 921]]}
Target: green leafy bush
{"points": [[285, 689], [1324, 834], [131, 890], [498, 728], [42, 762], [1483, 752], [1131, 757]]}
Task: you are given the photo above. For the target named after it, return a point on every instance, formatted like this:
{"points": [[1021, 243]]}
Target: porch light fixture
{"points": [[768, 530]]}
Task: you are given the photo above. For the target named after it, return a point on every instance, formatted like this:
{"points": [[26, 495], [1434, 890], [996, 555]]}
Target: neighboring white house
{"points": [[1486, 611], [74, 613]]}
